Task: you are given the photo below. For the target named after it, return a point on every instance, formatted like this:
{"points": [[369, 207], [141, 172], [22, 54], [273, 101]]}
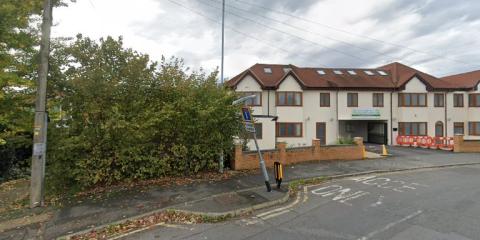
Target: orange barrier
{"points": [[444, 143]]}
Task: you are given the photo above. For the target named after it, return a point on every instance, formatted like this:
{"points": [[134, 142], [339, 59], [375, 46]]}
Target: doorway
{"points": [[321, 133], [377, 132]]}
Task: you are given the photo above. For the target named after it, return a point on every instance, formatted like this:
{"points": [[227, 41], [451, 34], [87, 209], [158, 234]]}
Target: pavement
{"points": [[428, 204], [201, 196]]}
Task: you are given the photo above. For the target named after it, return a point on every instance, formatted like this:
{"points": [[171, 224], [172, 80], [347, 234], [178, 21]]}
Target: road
{"points": [[428, 204]]}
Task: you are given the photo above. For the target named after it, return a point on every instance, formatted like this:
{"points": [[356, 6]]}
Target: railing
{"points": [[444, 143]]}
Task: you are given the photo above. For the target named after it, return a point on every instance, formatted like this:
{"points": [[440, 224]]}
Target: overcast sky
{"points": [[437, 36]]}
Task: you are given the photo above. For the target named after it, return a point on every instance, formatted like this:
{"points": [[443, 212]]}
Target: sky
{"points": [[436, 36]]}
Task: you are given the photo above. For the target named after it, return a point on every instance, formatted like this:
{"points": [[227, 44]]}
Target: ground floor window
{"points": [[439, 129], [412, 128], [258, 130], [458, 128], [289, 130], [474, 128]]}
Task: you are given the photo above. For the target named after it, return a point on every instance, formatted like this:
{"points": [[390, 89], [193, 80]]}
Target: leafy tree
{"points": [[123, 117]]}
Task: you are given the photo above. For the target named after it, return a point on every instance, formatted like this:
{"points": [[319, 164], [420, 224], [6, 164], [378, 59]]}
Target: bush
{"points": [[15, 155], [345, 141], [125, 118]]}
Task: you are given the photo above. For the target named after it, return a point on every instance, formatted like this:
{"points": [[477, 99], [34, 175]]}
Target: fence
{"points": [[444, 143]]}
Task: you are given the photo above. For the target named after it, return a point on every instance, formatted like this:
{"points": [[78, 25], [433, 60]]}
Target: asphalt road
{"points": [[429, 204]]}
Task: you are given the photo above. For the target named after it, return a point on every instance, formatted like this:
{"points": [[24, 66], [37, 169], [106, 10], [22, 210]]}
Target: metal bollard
{"points": [[278, 172]]}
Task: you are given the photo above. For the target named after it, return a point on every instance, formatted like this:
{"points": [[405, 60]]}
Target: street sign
{"points": [[250, 127], [247, 116]]}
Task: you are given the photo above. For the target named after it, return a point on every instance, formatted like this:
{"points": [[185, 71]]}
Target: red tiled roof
{"points": [[397, 75], [403, 73], [465, 80]]}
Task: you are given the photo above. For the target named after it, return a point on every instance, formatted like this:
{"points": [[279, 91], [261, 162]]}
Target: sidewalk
{"points": [[128, 204]]}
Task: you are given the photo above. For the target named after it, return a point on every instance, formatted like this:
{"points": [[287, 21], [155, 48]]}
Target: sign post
{"points": [[250, 127]]}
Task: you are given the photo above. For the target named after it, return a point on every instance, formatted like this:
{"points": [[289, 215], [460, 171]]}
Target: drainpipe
{"points": [[391, 118], [268, 102], [338, 121], [445, 106]]}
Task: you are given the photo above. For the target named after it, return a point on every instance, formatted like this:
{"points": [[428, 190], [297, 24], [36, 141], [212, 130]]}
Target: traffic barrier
{"points": [[278, 172], [444, 143]]}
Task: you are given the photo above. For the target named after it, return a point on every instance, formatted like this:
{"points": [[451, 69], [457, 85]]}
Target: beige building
{"points": [[297, 105]]}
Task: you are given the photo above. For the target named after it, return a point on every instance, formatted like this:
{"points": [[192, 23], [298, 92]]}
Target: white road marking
{"points": [[143, 229], [390, 225], [378, 203], [275, 214], [341, 194], [305, 194], [282, 208]]}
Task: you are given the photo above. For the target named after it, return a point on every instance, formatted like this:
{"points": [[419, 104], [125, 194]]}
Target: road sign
{"points": [[247, 116], [250, 127]]}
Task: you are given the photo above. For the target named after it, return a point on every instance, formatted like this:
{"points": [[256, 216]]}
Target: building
{"points": [[377, 104]]}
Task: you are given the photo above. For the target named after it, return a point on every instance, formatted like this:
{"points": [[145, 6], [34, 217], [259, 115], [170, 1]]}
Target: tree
{"points": [[124, 117]]}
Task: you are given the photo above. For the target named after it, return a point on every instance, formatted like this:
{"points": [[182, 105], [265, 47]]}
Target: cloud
{"points": [[434, 36]]}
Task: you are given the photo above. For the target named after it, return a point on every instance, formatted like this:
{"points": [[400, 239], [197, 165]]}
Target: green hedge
{"points": [[117, 116]]}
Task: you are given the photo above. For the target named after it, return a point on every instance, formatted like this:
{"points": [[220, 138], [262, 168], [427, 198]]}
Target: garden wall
{"points": [[249, 160]]}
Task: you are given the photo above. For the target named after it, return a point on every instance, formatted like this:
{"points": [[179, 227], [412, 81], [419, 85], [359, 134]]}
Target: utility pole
{"points": [[220, 160], [37, 181]]}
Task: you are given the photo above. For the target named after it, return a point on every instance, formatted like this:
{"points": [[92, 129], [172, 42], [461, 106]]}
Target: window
{"points": [[258, 130], [289, 129], [324, 99], [286, 69], [267, 70], [383, 73], [321, 72], [257, 101], [289, 99], [439, 100], [474, 100], [370, 73], [351, 72], [474, 128], [378, 99], [412, 128], [338, 72], [352, 99], [412, 99], [458, 100], [458, 128]]}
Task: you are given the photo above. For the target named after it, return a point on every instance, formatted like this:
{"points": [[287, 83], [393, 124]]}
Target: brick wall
{"points": [[462, 145], [249, 160]]}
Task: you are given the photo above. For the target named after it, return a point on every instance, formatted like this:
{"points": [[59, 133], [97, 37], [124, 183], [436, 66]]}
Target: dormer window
{"points": [[351, 72], [286, 69], [383, 73], [338, 72], [368, 72], [320, 72], [267, 70]]}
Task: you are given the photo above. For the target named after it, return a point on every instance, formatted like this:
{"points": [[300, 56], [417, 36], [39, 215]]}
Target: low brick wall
{"points": [[286, 156], [462, 145]]}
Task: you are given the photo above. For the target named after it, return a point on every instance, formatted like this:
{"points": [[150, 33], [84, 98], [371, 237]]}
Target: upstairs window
{"points": [[412, 100], [458, 100], [338, 72], [378, 99], [286, 69], [257, 101], [474, 100], [368, 72], [267, 70], [289, 99], [439, 100], [351, 72], [320, 72], [352, 99], [324, 99]]}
